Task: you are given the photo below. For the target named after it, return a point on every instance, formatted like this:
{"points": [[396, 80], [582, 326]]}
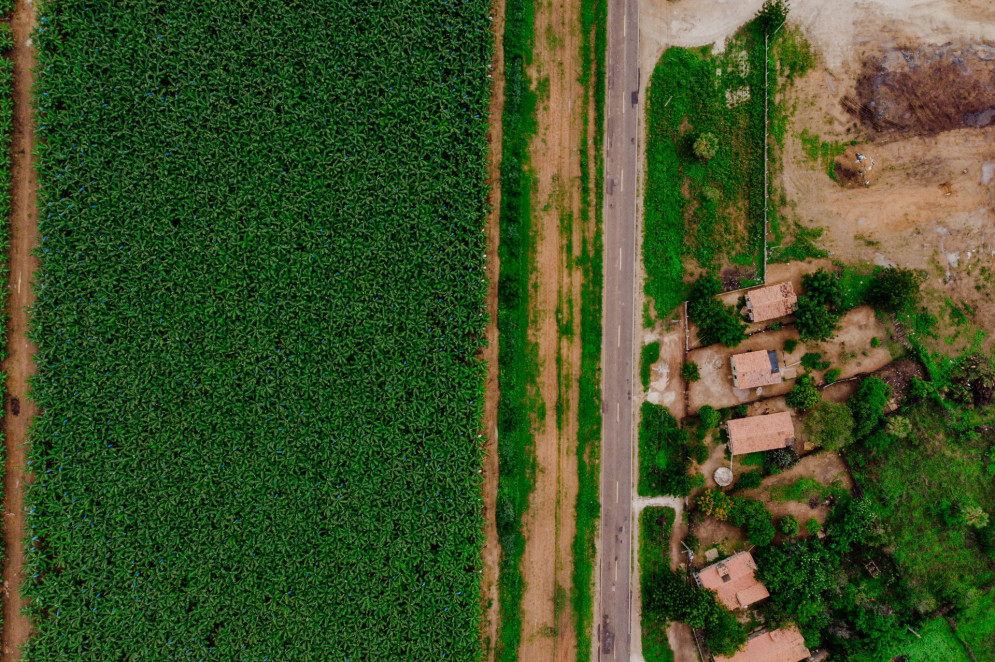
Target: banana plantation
{"points": [[259, 317]]}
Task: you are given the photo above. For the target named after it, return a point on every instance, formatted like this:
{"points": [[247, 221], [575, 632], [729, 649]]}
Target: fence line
{"points": [[763, 278]]}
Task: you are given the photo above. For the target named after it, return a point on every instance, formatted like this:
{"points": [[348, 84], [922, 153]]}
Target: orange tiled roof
{"points": [[754, 369], [767, 303], [784, 645], [760, 433], [733, 581]]}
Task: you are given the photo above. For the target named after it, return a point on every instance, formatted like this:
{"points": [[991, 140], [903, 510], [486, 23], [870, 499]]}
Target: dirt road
{"points": [[549, 525], [19, 366], [491, 554], [614, 609]]}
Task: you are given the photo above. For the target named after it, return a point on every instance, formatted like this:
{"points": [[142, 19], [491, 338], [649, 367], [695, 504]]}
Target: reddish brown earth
{"points": [[19, 366], [492, 550]]}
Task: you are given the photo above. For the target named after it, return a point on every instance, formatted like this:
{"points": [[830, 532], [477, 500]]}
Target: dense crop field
{"points": [[260, 307]]}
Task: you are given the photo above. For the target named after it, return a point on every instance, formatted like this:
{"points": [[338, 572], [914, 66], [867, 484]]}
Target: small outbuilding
{"points": [[760, 433], [733, 581], [784, 645], [754, 369], [771, 302]]}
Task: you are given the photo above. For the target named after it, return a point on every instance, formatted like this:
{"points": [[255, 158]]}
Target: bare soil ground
{"points": [[917, 94], [19, 366], [491, 555], [666, 386], [549, 524]]}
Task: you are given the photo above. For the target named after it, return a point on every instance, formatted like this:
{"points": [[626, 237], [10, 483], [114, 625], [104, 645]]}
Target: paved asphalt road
{"points": [[619, 264]]}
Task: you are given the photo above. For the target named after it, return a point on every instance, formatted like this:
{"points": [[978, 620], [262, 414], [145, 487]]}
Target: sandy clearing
{"points": [[491, 553], [549, 525], [19, 366], [831, 27]]}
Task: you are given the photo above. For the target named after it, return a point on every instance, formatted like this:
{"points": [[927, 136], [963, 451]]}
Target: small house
{"points": [[771, 302], [760, 433], [753, 369], [733, 581], [784, 645]]}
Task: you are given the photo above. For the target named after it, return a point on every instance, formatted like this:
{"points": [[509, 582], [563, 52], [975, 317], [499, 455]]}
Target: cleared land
{"points": [[261, 303]]}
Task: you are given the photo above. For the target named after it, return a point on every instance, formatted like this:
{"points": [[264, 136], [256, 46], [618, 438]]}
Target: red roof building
{"points": [[784, 645], [733, 581], [760, 433], [771, 302], [753, 369]]}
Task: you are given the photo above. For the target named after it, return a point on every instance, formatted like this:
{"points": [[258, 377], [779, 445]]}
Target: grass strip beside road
{"points": [[6, 127], [655, 523], [593, 24], [517, 360]]}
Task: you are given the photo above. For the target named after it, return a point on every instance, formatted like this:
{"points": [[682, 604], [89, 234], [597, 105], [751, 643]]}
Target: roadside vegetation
{"points": [[593, 41], [665, 453], [6, 127], [705, 130], [517, 356], [260, 304], [655, 523]]}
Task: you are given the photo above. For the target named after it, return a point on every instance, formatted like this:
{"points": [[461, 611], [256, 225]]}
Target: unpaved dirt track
{"points": [[491, 554], [549, 524], [621, 147], [19, 366]]}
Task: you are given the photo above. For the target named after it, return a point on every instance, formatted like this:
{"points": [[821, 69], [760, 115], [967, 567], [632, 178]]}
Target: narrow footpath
{"points": [[19, 366]]}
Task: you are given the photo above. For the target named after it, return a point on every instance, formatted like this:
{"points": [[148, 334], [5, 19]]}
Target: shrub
{"points": [[698, 451], [789, 525], [975, 517], [757, 519], [893, 289], [867, 405], [803, 395], [717, 323], [749, 480], [690, 372], [790, 345], [875, 342], [850, 523], [649, 355], [708, 417], [715, 503], [830, 426], [706, 146], [811, 359], [779, 459], [812, 526], [898, 426], [833, 375]]}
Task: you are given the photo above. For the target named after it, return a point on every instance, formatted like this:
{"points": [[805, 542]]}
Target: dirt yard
{"points": [[666, 386], [825, 467], [548, 626], [491, 555], [19, 366]]}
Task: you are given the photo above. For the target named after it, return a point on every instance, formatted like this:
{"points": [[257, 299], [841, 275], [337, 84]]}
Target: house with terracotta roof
{"points": [[784, 645], [753, 369], [760, 433], [733, 581], [771, 302]]}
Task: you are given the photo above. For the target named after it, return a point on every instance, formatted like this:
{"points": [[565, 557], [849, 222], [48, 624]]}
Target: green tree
{"points": [[771, 15], [893, 289], [789, 525], [832, 375], [706, 146], [975, 517], [812, 526], [708, 417], [868, 404], [823, 288], [803, 395], [779, 459], [850, 523], [690, 372], [717, 323], [815, 321], [830, 426], [797, 575]]}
